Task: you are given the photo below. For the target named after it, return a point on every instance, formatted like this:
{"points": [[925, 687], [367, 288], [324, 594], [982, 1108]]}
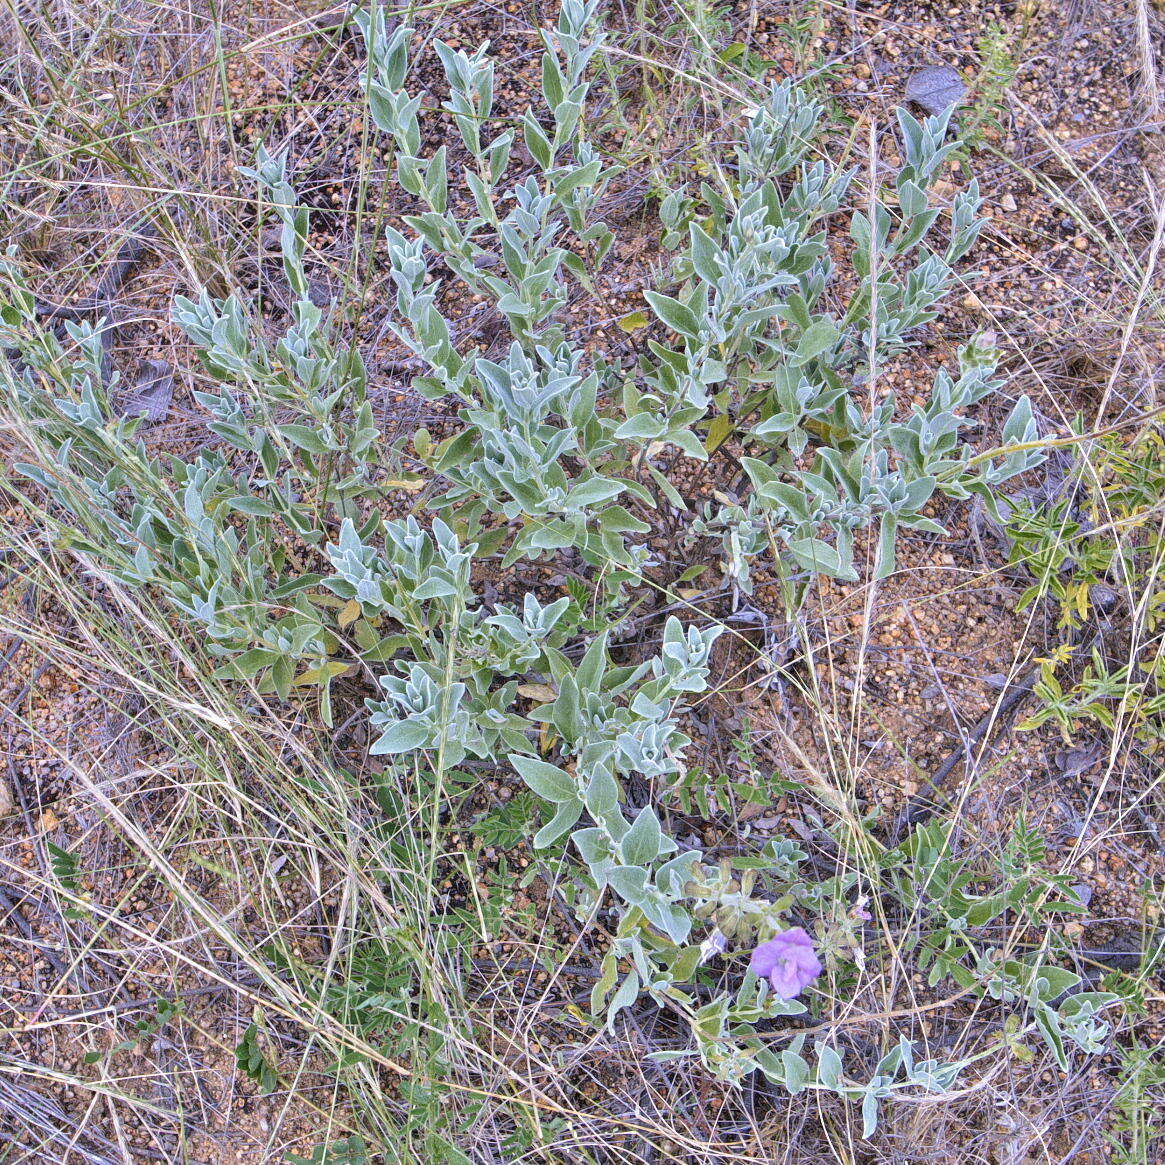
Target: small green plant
{"points": [[803, 31], [346, 1151], [998, 50], [1137, 1131], [524, 1137], [66, 867], [926, 871], [708, 20], [166, 1011], [507, 824], [252, 1061], [1101, 557], [718, 793]]}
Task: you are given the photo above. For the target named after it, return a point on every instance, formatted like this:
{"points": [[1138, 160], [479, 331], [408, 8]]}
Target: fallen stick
{"points": [[925, 802]]}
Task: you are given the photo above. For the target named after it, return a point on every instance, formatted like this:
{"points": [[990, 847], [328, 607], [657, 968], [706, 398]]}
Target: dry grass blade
{"points": [[45, 1128]]}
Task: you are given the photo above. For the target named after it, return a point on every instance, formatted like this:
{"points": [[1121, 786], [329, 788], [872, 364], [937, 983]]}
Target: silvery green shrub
{"points": [[762, 342], [557, 452]]}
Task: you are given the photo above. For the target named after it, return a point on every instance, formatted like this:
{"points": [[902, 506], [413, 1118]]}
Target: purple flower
{"points": [[789, 961]]}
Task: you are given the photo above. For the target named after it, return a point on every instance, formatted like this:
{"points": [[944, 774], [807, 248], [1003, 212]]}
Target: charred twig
{"points": [[10, 912], [129, 256], [924, 803], [28, 601], [53, 1128], [150, 395]]}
